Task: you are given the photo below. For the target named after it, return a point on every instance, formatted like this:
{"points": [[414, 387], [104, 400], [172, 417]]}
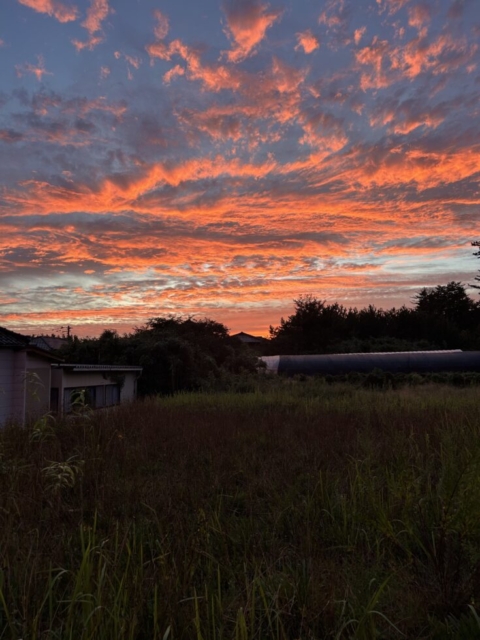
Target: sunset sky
{"points": [[222, 158]]}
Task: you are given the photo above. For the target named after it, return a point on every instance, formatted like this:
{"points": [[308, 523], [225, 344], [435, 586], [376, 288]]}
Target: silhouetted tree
{"points": [[449, 301], [477, 254], [176, 353]]}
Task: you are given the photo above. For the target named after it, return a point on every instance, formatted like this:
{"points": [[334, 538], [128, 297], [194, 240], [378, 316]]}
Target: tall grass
{"points": [[299, 511]]}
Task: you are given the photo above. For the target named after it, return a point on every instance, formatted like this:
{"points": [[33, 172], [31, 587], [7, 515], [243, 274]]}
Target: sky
{"points": [[222, 158]]}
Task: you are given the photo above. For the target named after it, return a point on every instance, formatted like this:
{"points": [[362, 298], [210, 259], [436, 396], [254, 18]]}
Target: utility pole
{"points": [[69, 330]]}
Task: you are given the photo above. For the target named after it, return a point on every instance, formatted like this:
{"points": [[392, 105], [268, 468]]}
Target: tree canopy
{"points": [[176, 353], [443, 317]]}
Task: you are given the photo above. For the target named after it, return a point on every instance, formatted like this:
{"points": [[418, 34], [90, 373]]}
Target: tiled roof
{"points": [[48, 343], [10, 339]]}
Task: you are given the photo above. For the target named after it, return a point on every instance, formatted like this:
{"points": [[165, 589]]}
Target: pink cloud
{"points": [[392, 5], [287, 79], [214, 77], [156, 50], [389, 63], [104, 72], [62, 12], [247, 24], [175, 71], [419, 15], [89, 44], [161, 28], [133, 61], [96, 14], [440, 56], [307, 41], [358, 34], [37, 70], [376, 56]]}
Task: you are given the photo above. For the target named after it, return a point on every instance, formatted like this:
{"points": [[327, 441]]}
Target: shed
{"points": [[100, 385]]}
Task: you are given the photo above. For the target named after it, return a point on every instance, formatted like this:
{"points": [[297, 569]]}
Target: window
{"points": [[93, 397]]}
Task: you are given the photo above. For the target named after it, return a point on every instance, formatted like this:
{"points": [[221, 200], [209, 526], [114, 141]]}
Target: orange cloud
{"points": [[97, 12], [175, 71], [358, 34], [392, 5], [419, 15], [307, 41], [389, 63], [161, 28], [214, 77], [62, 12], [37, 70], [377, 56], [247, 22]]}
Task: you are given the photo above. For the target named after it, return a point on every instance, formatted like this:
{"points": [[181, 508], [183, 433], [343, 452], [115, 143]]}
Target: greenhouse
{"points": [[397, 362]]}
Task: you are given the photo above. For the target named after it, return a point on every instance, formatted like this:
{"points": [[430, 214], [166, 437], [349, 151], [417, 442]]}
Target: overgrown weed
{"points": [[297, 510]]}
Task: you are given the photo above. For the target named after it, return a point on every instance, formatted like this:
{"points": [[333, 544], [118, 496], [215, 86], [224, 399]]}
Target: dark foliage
{"points": [[477, 254], [176, 353], [179, 354], [443, 318]]}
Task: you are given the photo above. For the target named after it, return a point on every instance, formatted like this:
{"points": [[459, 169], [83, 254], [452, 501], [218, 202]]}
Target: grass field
{"points": [[302, 511]]}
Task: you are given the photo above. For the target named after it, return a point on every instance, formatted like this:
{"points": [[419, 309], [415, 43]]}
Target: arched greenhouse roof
{"points": [[395, 362]]}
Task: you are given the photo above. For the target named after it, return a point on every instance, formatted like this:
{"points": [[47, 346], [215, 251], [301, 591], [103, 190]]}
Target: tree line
{"points": [[185, 353], [444, 317]]}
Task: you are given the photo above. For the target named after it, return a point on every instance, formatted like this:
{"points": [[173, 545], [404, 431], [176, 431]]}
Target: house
{"points": [[25, 378], [97, 386], [247, 338], [33, 381]]}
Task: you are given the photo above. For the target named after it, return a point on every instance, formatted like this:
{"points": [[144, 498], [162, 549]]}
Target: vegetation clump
{"points": [[295, 509]]}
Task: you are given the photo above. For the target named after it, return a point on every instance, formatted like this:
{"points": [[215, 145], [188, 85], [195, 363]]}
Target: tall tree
{"points": [[449, 301], [477, 254]]}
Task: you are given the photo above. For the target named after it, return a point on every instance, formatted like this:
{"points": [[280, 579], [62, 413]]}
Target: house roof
{"points": [[247, 337], [48, 343], [11, 340]]}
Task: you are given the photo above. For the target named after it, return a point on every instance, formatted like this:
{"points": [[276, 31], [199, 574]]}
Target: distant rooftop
{"points": [[248, 338], [48, 343]]}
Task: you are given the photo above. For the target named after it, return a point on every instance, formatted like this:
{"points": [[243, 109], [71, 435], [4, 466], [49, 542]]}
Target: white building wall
{"points": [[6, 383], [129, 389], [37, 390], [12, 386]]}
